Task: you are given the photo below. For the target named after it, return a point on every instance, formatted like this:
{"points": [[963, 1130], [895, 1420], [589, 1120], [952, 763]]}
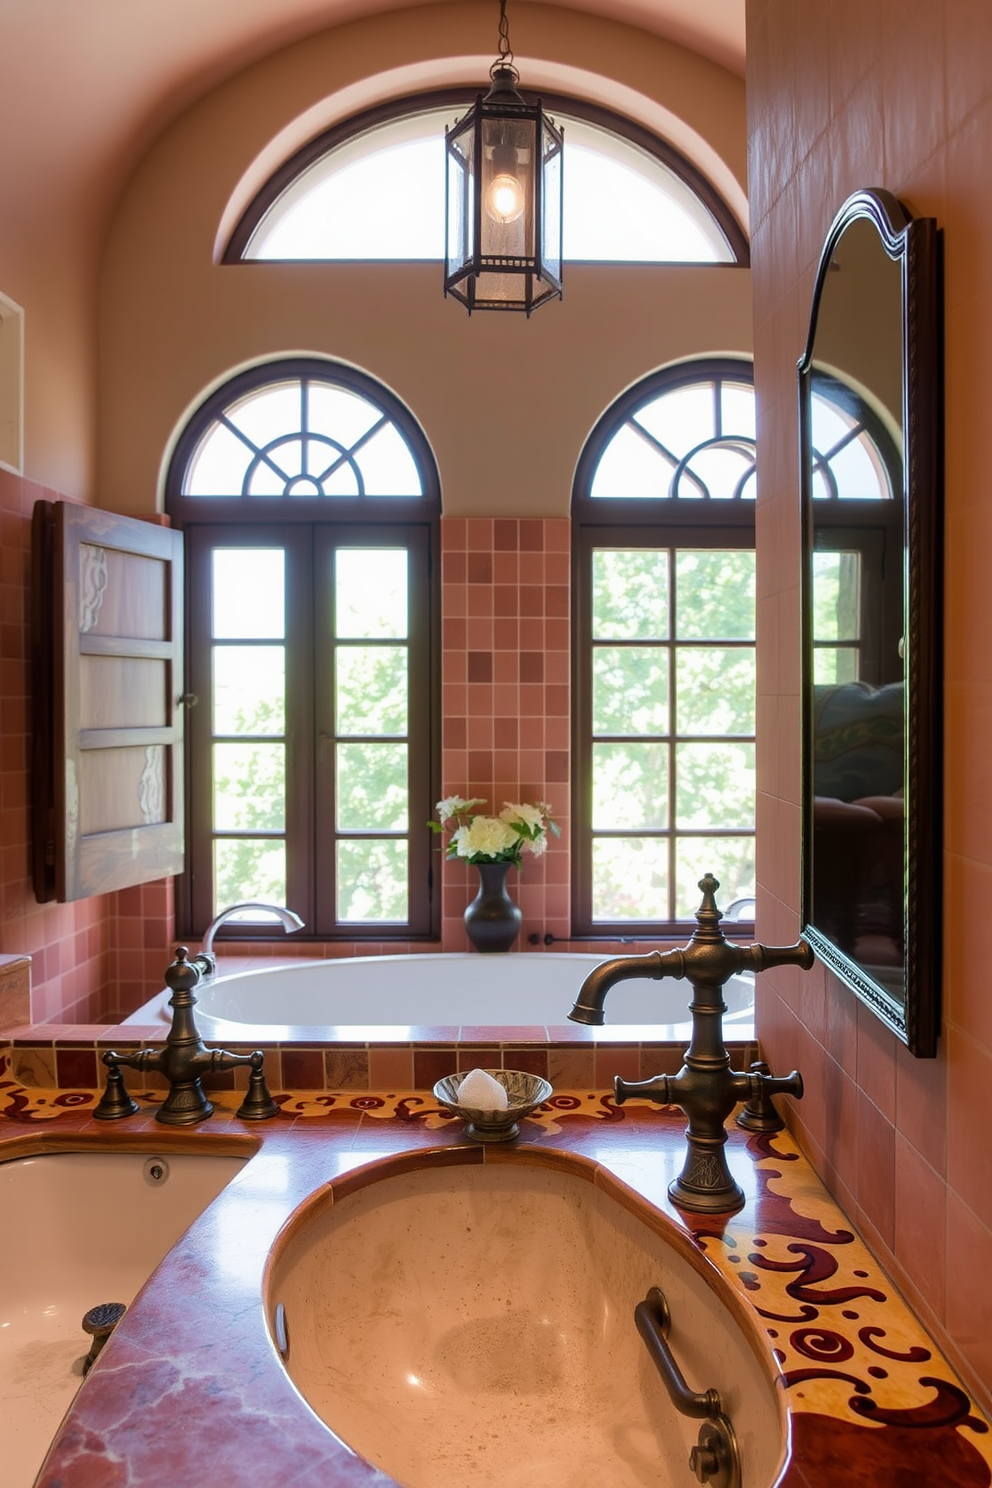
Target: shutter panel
{"points": [[117, 714]]}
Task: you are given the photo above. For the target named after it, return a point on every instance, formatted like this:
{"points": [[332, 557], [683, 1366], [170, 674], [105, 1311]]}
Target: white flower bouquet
{"points": [[494, 839]]}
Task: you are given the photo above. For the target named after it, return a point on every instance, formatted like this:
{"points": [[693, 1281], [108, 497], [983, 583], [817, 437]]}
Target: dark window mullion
{"points": [[324, 546], [673, 702], [299, 725]]}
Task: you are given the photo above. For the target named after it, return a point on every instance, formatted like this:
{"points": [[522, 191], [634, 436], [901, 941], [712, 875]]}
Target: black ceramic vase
{"points": [[492, 920]]}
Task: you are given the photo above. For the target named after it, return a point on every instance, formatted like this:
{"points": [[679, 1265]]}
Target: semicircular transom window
{"points": [[304, 436], [694, 440], [378, 192]]}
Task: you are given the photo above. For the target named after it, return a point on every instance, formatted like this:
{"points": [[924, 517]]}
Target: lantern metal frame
{"points": [[479, 272]]}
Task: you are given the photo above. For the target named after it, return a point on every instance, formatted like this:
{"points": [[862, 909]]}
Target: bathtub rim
{"points": [[155, 1012]]}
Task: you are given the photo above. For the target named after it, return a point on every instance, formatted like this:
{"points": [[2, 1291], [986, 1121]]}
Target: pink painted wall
{"points": [[899, 95]]}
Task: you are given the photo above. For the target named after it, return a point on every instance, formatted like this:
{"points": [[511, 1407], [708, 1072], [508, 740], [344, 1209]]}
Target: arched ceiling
{"points": [[86, 85]]}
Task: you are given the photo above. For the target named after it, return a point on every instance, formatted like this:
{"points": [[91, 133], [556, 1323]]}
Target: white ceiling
{"points": [[85, 85]]}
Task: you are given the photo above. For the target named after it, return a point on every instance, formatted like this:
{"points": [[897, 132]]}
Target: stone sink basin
{"points": [[473, 1325]]}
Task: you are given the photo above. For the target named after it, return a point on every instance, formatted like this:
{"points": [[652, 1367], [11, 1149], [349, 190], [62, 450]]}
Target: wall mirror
{"points": [[869, 403]]}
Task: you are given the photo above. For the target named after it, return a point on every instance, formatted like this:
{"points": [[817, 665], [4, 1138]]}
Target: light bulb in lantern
{"points": [[504, 197]]}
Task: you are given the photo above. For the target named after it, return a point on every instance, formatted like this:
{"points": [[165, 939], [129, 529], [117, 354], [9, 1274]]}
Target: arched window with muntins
{"points": [[857, 474], [664, 653], [373, 187], [310, 501]]}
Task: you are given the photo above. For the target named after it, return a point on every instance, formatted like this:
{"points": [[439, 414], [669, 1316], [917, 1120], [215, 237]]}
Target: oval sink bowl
{"points": [[472, 1323]]}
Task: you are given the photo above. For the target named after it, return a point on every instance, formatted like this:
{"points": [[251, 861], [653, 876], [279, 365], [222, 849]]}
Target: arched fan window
{"points": [[310, 501]]}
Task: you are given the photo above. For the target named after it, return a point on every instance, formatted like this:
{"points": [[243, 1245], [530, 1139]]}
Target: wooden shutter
{"points": [[114, 810]]}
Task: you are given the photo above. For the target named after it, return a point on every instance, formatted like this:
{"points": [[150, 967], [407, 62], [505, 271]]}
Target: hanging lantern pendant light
{"points": [[504, 197]]}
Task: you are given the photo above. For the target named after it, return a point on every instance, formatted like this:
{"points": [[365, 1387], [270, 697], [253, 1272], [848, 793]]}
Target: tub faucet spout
{"points": [[206, 962], [706, 1087]]}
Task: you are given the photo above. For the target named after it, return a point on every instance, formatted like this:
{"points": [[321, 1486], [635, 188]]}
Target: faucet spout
{"points": [[206, 961], [588, 1006]]}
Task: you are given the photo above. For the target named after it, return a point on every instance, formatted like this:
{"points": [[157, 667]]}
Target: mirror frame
{"points": [[913, 243]]}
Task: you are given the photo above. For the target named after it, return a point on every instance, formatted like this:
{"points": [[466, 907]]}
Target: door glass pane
{"points": [[249, 594], [249, 787], [630, 690], [833, 664], [371, 690], [629, 594], [629, 878], [372, 790], [715, 594], [371, 588], [372, 881], [836, 596], [630, 786], [249, 690], [249, 870], [715, 690], [714, 785], [729, 859]]}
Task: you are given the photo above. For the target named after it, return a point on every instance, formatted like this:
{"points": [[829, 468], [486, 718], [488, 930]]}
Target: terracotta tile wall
{"points": [[76, 973], [898, 94], [69, 1057], [505, 675], [506, 737]]}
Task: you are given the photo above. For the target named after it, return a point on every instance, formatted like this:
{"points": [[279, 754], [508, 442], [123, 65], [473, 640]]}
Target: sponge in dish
{"points": [[480, 1092]]}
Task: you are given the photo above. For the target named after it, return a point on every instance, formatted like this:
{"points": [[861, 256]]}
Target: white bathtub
{"points": [[394, 994], [78, 1229]]}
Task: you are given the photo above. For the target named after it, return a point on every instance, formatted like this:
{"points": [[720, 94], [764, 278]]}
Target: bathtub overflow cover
{"points": [[156, 1170]]}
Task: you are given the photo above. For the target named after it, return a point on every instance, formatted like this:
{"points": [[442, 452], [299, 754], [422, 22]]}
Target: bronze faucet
{"points": [[706, 1087], [183, 1060]]}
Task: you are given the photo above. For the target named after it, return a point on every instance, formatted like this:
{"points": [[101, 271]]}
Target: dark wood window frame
{"points": [[309, 529], [665, 523]]}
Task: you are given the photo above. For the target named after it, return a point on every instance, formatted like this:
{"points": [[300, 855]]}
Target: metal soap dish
{"points": [[524, 1093]]}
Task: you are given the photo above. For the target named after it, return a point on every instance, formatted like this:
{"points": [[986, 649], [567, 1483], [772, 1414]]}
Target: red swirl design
{"points": [[822, 1344], [916, 1355]]}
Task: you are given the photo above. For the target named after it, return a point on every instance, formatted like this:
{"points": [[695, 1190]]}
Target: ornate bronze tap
{"points": [[706, 1087], [183, 1060]]}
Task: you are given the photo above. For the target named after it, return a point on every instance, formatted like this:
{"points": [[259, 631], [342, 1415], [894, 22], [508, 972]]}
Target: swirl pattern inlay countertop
{"points": [[190, 1380]]}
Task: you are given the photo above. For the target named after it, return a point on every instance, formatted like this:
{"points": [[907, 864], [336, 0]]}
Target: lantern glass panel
{"points": [[508, 164], [461, 222], [551, 200]]}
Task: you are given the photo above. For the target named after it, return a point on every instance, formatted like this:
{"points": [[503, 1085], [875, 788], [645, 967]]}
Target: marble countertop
{"points": [[871, 1400]]}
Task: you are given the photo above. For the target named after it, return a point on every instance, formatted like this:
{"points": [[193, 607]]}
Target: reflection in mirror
{"points": [[868, 402]]}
